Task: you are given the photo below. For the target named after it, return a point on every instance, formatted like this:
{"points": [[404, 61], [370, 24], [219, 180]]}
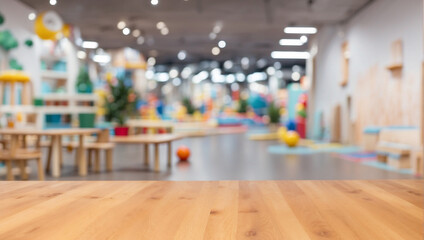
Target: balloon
{"points": [[66, 30], [291, 138], [48, 25]]}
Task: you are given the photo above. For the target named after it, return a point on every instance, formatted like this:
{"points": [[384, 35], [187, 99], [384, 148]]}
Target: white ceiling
{"points": [[250, 27]]}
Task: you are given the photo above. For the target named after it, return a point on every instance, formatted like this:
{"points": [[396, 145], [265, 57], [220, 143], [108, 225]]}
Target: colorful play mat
{"points": [[311, 147], [343, 152]]}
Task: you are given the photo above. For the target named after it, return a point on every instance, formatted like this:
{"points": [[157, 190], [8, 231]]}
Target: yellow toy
{"points": [[281, 133], [48, 25], [197, 116], [291, 138]]}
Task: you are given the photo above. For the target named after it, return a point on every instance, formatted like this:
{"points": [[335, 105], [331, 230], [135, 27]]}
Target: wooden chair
{"points": [[21, 156]]}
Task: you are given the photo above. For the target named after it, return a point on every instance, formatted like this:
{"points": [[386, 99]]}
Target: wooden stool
{"points": [[22, 156], [12, 78]]}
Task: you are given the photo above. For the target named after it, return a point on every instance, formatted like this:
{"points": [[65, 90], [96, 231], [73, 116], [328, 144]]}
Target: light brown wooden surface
{"points": [[49, 132], [148, 138], [383, 209]]}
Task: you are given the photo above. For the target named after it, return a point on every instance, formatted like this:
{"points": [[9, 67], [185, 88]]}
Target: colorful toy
{"points": [[48, 25], [183, 153], [291, 138], [291, 125]]}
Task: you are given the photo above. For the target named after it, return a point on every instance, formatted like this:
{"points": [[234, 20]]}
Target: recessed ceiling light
{"points": [[245, 61], [300, 30], [235, 87], [291, 42], [290, 55], [121, 25], [173, 73], [240, 77], [81, 55], [164, 31], [304, 39], [160, 25], [140, 40], [154, 2], [222, 44], [182, 55], [126, 31], [101, 58], [215, 51], [176, 81], [53, 2], [228, 64], [136, 33], [90, 44], [217, 28], [151, 61], [32, 16], [270, 71], [212, 36], [295, 76], [277, 65]]}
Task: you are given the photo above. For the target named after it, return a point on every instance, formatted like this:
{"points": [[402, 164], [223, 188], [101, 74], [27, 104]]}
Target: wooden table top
{"points": [[383, 209], [150, 123], [148, 138], [49, 132]]}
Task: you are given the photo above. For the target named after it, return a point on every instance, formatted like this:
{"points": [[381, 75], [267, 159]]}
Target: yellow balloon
{"points": [[291, 138], [47, 25], [66, 30], [281, 133]]}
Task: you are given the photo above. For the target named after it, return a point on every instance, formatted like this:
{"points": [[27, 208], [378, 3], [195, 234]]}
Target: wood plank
{"points": [[373, 209]]}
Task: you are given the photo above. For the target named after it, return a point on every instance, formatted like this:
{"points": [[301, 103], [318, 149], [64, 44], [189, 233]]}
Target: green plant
{"points": [[7, 40], [120, 103], [242, 106], [273, 113], [189, 106], [84, 84]]}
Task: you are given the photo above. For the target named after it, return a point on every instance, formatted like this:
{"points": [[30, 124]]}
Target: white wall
{"points": [[370, 35], [16, 20]]}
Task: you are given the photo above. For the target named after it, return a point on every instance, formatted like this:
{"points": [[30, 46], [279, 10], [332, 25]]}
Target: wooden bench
{"points": [[395, 146]]}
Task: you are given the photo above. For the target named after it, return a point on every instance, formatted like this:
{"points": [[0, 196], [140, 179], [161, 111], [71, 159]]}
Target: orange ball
{"points": [[183, 153]]}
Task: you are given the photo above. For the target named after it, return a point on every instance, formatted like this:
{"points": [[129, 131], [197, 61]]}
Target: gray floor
{"points": [[227, 157]]}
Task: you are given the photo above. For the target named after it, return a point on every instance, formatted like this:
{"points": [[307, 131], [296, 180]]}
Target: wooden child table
{"points": [[147, 139], [293, 210], [56, 144]]}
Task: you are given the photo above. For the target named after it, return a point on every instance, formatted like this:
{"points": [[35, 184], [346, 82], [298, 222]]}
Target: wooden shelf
{"points": [[394, 67], [69, 97], [54, 75]]}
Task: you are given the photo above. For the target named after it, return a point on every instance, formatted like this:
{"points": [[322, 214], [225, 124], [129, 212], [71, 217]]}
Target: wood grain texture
{"points": [[148, 138], [50, 132], [381, 209]]}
